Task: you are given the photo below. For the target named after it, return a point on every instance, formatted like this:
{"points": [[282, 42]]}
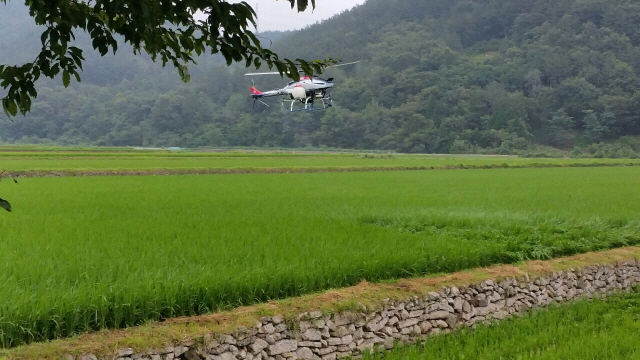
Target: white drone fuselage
{"points": [[299, 90]]}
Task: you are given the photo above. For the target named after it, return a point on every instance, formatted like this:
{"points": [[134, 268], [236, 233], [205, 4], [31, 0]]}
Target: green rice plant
{"points": [[588, 329], [533, 238], [85, 253]]}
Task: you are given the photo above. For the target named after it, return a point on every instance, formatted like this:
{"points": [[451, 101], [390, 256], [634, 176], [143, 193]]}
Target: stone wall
{"points": [[317, 336]]}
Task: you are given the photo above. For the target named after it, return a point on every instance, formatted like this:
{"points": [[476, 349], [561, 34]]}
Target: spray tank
{"points": [[299, 93]]}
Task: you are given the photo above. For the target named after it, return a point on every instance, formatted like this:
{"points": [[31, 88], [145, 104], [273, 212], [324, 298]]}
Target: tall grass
{"points": [[589, 329], [80, 254]]}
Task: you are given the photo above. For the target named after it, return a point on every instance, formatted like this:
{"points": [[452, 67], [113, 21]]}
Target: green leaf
{"points": [[25, 103], [45, 36], [9, 106], [145, 9], [306, 68], [5, 205], [66, 78], [293, 72]]}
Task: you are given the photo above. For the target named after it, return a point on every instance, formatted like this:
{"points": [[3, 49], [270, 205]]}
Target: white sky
{"points": [[278, 15]]}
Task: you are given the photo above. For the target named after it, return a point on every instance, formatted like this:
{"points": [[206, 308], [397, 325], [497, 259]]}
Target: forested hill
{"points": [[437, 76]]}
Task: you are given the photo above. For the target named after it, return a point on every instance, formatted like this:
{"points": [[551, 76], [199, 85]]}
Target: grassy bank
{"points": [[87, 253]]}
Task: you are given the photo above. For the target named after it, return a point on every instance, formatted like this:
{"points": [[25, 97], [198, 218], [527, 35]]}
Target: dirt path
{"points": [[250, 170]]}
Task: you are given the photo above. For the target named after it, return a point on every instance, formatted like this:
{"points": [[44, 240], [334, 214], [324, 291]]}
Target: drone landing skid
{"points": [[307, 104]]}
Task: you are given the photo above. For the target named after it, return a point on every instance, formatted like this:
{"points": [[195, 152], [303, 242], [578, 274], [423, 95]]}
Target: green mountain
{"points": [[437, 76]]}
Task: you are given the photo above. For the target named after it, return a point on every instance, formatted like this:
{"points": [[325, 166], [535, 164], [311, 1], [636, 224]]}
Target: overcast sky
{"points": [[278, 15]]}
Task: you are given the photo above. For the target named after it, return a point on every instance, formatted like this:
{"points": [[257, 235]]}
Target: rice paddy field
{"points": [[85, 253], [590, 329]]}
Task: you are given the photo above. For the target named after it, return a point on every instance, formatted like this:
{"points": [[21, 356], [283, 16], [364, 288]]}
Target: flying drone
{"points": [[307, 91]]}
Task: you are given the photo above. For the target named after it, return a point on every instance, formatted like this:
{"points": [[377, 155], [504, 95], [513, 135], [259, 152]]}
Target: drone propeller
{"points": [[301, 71], [262, 102], [345, 64], [265, 73]]}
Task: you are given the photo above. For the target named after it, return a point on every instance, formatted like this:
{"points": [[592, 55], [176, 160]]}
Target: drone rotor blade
{"points": [[264, 103], [266, 73], [301, 71], [345, 64]]}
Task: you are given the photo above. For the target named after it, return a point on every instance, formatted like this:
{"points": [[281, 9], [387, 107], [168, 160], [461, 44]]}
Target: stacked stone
{"points": [[337, 336]]}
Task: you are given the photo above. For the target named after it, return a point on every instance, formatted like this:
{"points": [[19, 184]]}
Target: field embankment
{"points": [[298, 170], [118, 251], [104, 163]]}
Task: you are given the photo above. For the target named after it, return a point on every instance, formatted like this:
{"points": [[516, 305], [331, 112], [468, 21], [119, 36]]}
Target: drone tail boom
{"points": [[255, 93]]}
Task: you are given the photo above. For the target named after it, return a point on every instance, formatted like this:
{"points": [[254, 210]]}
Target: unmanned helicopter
{"points": [[307, 91]]}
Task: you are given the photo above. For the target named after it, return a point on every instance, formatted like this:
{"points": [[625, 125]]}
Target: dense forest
{"points": [[438, 76]]}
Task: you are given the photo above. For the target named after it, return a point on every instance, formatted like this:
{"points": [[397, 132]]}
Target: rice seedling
{"points": [[80, 254]]}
